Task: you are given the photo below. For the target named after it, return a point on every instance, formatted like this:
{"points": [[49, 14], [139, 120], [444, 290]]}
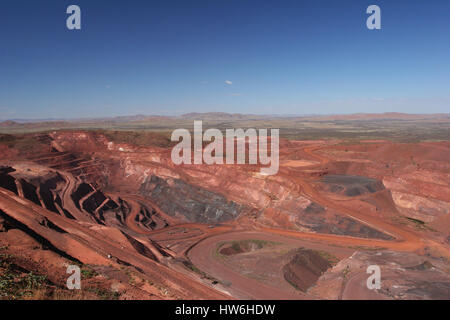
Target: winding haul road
{"points": [[201, 253], [203, 244]]}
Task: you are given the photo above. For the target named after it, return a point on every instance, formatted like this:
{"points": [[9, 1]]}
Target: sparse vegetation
{"points": [[332, 259], [139, 138], [419, 224], [416, 221], [365, 248], [87, 272], [156, 130], [103, 294], [24, 143], [18, 285], [241, 246], [193, 268], [346, 272], [252, 258]]}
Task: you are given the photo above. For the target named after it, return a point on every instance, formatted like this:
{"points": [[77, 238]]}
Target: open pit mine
{"points": [[140, 227]]}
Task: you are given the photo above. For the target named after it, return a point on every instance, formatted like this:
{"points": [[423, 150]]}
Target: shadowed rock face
{"points": [[83, 190], [115, 221], [405, 276], [94, 201], [6, 181], [46, 194], [29, 191], [237, 247], [180, 199], [305, 267], [319, 219], [351, 185]]}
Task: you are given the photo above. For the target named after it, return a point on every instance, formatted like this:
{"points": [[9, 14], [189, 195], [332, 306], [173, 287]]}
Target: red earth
{"points": [[151, 229]]}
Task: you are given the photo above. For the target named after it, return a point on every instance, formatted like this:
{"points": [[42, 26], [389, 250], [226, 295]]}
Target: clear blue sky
{"points": [[171, 57]]}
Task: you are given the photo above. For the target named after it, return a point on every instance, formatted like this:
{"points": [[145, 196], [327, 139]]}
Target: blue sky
{"points": [[265, 57]]}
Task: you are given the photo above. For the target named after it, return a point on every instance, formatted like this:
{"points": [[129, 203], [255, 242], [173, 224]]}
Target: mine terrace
{"points": [[141, 227]]}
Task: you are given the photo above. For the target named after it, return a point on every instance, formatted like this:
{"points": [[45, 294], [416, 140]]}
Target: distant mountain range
{"points": [[233, 117]]}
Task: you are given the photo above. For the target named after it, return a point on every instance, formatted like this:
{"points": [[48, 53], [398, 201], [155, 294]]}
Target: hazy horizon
{"points": [[75, 119]]}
